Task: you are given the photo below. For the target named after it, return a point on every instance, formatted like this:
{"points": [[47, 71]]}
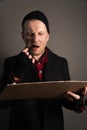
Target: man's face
{"points": [[35, 36]]}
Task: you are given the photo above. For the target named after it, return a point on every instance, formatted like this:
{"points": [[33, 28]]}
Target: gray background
{"points": [[68, 38]]}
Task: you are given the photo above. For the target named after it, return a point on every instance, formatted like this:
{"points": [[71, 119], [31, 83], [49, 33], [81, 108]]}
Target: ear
{"points": [[48, 38]]}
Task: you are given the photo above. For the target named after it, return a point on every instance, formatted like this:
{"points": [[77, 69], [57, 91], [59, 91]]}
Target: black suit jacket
{"points": [[39, 114]]}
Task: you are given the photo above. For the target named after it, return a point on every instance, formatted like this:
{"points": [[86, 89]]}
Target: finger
{"points": [[25, 50], [30, 56], [16, 79], [33, 60], [84, 91], [73, 95]]}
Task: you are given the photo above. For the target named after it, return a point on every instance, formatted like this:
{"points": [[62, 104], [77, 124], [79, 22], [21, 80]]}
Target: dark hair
{"points": [[37, 14]]}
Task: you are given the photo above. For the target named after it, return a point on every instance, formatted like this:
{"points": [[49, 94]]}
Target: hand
{"points": [[71, 96], [26, 51], [84, 90]]}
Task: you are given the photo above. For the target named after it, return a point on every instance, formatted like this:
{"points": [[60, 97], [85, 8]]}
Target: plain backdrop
{"points": [[68, 38]]}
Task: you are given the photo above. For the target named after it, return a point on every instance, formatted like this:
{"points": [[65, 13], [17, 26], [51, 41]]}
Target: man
{"points": [[38, 63]]}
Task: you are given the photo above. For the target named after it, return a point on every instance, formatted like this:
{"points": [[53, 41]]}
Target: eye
{"points": [[29, 34], [41, 33]]}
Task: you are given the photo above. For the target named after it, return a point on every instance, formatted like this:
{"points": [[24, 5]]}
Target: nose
{"points": [[35, 38]]}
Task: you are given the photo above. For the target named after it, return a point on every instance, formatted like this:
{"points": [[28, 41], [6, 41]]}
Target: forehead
{"points": [[34, 24]]}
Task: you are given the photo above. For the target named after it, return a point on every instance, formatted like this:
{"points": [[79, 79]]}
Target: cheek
{"points": [[27, 39], [45, 41], [44, 44]]}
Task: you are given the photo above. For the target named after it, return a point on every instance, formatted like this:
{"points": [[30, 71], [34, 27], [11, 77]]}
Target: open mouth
{"points": [[33, 47]]}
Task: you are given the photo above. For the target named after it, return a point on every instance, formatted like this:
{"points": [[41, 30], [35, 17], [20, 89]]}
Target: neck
{"points": [[37, 57]]}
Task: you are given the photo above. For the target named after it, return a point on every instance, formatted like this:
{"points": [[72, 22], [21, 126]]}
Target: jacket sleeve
{"points": [[75, 105], [21, 66], [65, 70], [5, 78], [24, 69], [3, 83]]}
